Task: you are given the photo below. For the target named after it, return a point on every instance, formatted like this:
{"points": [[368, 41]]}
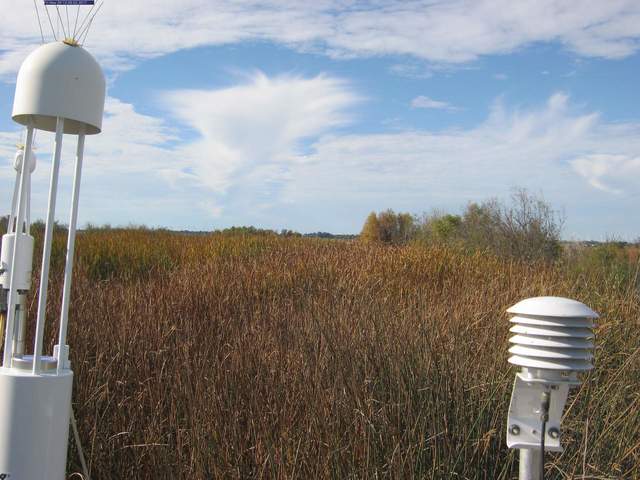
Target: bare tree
{"points": [[527, 228]]}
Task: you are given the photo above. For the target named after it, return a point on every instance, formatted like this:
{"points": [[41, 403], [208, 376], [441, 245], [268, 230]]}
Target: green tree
{"points": [[526, 227], [446, 228]]}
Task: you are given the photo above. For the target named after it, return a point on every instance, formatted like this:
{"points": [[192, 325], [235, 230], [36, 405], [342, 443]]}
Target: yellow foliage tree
{"points": [[371, 230]]}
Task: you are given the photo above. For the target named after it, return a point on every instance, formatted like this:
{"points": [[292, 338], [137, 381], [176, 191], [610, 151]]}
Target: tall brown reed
{"points": [[261, 357]]}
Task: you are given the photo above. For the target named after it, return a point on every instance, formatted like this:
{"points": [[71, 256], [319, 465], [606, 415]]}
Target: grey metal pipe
{"points": [[21, 326], [530, 464]]}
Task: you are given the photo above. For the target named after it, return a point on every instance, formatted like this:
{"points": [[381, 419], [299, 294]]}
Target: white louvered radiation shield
{"points": [[552, 343], [552, 340]]}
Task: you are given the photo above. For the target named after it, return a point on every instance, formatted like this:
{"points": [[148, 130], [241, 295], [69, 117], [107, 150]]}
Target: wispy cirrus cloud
{"points": [[125, 173], [251, 132], [273, 146], [541, 149], [441, 31], [610, 173], [422, 101], [247, 138]]}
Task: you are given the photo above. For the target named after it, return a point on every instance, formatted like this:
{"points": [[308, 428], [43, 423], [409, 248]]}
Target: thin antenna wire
{"points": [[53, 30], [86, 31], [86, 28], [39, 23], [61, 23], [75, 24], [57, 26], [66, 9], [81, 26]]}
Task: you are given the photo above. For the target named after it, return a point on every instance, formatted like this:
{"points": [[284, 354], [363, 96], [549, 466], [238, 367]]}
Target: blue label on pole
{"points": [[68, 2]]}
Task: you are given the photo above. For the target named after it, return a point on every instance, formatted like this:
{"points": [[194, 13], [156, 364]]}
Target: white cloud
{"points": [[441, 31], [269, 152], [425, 102], [250, 133], [124, 175], [609, 172], [248, 136], [542, 149], [411, 70]]}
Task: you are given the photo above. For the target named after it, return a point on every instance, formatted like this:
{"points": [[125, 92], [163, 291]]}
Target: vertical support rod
{"points": [[3, 317], [20, 326], [12, 215], [46, 250], [68, 270], [13, 291], [530, 464], [27, 220]]}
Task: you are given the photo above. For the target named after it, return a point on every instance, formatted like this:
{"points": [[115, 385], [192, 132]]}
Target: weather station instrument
{"points": [[552, 344], [60, 88]]}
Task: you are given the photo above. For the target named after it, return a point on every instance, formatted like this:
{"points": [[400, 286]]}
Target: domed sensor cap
{"points": [[552, 333], [552, 307], [60, 80]]}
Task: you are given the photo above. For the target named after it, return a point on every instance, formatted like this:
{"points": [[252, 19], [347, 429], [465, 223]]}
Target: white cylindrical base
{"points": [[24, 261], [530, 464], [34, 424]]}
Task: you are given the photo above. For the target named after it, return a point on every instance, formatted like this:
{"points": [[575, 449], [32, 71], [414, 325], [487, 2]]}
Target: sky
{"points": [[309, 115]]}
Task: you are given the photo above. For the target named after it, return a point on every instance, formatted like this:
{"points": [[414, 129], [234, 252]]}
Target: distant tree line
{"points": [[36, 225], [282, 233], [330, 236], [526, 227]]}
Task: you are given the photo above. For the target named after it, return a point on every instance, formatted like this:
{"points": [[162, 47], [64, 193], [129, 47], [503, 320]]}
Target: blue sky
{"points": [[284, 115]]}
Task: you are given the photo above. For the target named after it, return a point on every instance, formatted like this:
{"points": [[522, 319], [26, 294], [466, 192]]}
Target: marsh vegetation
{"points": [[261, 356]]}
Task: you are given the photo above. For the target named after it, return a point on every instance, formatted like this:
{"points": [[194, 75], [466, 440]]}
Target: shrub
{"points": [[527, 228], [388, 227]]}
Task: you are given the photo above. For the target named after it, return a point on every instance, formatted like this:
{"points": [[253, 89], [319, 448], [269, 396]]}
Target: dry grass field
{"points": [[231, 356]]}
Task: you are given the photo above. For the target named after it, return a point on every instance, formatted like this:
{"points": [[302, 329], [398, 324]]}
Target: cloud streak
{"points": [[553, 148], [422, 101], [247, 138], [250, 133], [441, 32], [610, 173], [274, 148]]}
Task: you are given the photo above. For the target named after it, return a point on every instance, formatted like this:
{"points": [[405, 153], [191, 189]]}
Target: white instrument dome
{"points": [[60, 80], [552, 333], [19, 157], [552, 307]]}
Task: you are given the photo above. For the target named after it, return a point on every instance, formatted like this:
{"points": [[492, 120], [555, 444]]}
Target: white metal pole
{"points": [[68, 270], [12, 216], [46, 250], [13, 292], [27, 215], [530, 464]]}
